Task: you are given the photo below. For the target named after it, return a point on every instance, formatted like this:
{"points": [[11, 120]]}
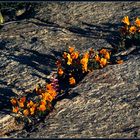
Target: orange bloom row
{"points": [[102, 57], [129, 27], [126, 21], [29, 107]]}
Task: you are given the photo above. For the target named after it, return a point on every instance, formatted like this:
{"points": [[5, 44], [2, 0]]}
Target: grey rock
{"points": [[105, 103]]}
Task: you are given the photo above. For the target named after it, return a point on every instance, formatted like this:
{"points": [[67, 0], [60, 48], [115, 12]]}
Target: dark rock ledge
{"points": [[104, 104]]}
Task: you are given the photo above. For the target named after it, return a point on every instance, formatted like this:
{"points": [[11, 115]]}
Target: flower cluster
{"points": [[130, 32], [41, 103], [73, 65]]}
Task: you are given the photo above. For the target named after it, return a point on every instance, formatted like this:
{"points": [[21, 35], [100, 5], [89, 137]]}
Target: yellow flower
{"points": [[132, 29], [60, 71], [74, 55], [46, 96], [72, 81], [137, 22], [42, 107], [32, 110], [13, 101], [15, 109], [69, 59], [71, 49], [26, 112], [30, 103], [126, 21], [103, 62], [84, 62], [86, 55]]}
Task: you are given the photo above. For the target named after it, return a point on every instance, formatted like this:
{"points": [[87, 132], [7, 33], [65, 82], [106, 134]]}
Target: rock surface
{"points": [[105, 103]]}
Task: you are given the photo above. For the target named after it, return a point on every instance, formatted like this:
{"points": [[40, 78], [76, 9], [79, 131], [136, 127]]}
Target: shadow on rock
{"points": [[36, 60], [106, 31], [5, 95]]}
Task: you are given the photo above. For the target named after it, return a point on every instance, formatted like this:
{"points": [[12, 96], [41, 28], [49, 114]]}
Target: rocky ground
{"points": [[104, 104]]}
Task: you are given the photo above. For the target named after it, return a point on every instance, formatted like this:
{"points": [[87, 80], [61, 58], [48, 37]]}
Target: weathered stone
{"points": [[9, 124], [105, 103]]}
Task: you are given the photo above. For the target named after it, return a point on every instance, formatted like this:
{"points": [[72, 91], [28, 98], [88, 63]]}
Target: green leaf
{"points": [[1, 19]]}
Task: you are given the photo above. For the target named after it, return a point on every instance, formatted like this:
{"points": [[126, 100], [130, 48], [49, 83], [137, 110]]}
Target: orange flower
{"points": [[103, 51], [137, 22], [107, 56], [72, 81], [71, 49], [126, 21], [46, 96], [32, 110], [23, 99], [103, 62], [15, 109], [35, 105], [65, 55], [42, 108], [119, 61], [97, 58], [51, 90], [60, 71], [43, 102], [84, 62], [132, 29], [21, 104], [86, 55], [30, 103], [13, 101], [74, 55], [49, 87], [69, 59], [53, 93], [26, 112]]}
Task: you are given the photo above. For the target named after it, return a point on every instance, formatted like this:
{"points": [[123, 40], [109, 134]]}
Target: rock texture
{"points": [[105, 103]]}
